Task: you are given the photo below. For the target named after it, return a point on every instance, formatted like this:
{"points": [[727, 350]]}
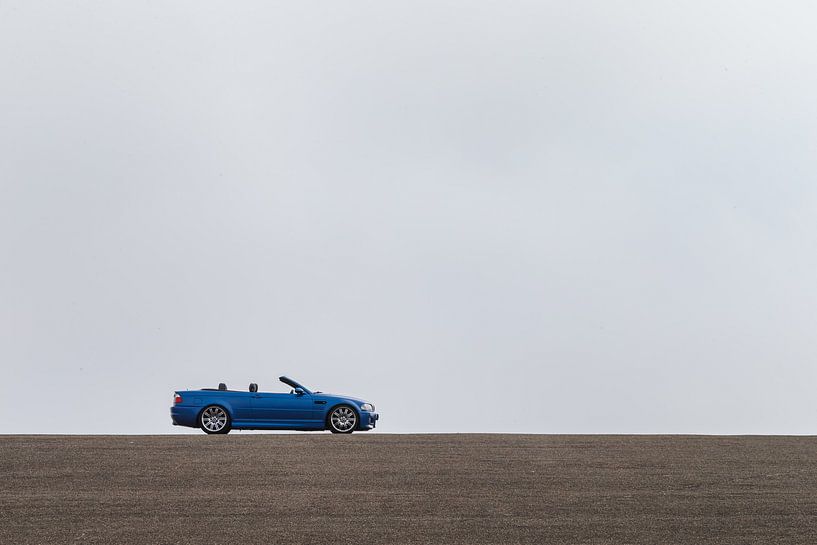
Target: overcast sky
{"points": [[536, 217]]}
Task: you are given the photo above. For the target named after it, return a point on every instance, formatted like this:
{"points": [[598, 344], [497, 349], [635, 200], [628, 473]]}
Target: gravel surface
{"points": [[374, 488]]}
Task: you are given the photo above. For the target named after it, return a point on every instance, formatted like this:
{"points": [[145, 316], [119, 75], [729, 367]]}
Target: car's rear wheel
{"points": [[214, 419], [342, 419]]}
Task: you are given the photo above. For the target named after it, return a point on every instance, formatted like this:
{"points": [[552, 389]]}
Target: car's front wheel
{"points": [[342, 419], [214, 419]]}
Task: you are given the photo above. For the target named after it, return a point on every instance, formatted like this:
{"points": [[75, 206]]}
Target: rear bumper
{"points": [[184, 416], [368, 421]]}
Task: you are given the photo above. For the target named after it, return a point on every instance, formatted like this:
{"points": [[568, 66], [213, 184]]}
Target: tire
{"points": [[214, 419], [342, 419]]}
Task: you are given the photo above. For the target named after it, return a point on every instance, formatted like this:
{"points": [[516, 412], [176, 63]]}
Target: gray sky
{"points": [[481, 216]]}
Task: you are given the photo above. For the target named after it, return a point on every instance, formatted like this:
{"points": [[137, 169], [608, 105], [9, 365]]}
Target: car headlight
{"points": [[367, 407]]}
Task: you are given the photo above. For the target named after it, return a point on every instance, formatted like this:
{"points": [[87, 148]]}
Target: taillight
{"points": [[177, 398]]}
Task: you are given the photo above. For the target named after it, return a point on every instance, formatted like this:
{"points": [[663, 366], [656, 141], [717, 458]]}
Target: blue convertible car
{"points": [[218, 410]]}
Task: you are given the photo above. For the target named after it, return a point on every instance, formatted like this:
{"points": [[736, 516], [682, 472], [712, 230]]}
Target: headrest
{"points": [[222, 386], [253, 387]]}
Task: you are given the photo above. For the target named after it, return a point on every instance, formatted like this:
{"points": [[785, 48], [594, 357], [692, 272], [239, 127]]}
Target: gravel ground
{"points": [[374, 488]]}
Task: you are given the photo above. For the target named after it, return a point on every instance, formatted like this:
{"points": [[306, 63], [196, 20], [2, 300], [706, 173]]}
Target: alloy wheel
{"points": [[343, 419], [214, 419]]}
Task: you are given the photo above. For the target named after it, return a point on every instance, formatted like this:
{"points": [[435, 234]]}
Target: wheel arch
{"points": [[224, 406], [349, 404]]}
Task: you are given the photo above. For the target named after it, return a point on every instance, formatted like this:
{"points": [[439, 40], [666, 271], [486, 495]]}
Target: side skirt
{"points": [[299, 425]]}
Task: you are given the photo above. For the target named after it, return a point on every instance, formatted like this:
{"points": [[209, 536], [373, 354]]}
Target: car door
{"points": [[282, 408]]}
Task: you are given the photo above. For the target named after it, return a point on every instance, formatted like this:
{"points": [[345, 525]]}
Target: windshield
{"points": [[289, 382]]}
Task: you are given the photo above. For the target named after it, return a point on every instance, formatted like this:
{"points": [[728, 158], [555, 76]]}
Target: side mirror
{"points": [[299, 392]]}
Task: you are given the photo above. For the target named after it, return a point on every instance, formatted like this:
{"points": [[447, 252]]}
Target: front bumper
{"points": [[368, 421]]}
